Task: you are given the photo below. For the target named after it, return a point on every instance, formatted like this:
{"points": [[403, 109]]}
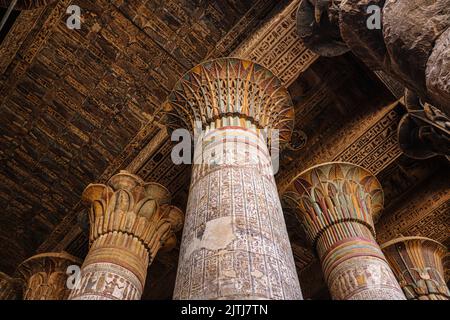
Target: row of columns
{"points": [[338, 204], [415, 261], [130, 222], [234, 243]]}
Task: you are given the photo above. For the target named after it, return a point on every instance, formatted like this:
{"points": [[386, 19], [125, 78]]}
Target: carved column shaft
{"points": [[337, 204], [130, 221], [418, 265], [115, 268], [235, 244], [45, 276]]}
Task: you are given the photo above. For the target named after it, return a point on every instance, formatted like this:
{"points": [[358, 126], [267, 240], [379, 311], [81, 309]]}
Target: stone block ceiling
{"points": [[73, 100]]}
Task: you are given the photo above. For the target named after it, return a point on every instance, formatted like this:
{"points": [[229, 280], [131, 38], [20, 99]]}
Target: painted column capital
{"points": [[130, 222], [417, 263], [338, 204], [333, 193], [45, 275], [235, 244], [230, 87], [128, 205]]}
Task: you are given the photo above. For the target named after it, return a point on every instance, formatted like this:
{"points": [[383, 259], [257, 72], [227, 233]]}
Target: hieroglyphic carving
{"points": [[239, 31], [338, 204], [369, 140], [377, 147], [426, 214], [364, 278], [418, 266], [235, 244], [170, 69], [277, 47], [62, 235], [29, 52], [130, 222], [108, 281], [16, 36], [394, 87], [45, 276], [148, 150]]}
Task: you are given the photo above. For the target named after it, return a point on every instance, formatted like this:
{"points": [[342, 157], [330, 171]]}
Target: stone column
{"points": [[10, 288], [337, 204], [418, 265], [130, 221], [235, 244], [45, 275]]}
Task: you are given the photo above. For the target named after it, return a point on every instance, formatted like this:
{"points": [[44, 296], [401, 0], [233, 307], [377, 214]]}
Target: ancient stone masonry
{"points": [[369, 140], [26, 4], [277, 46], [412, 47], [424, 132], [418, 265], [425, 214], [130, 222], [45, 276], [101, 83], [235, 244], [10, 288], [338, 204], [78, 105]]}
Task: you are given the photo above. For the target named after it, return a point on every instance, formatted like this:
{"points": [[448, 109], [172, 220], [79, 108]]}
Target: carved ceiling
{"points": [[78, 105]]}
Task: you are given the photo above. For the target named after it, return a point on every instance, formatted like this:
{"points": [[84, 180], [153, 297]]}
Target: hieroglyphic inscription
{"points": [[107, 281], [277, 46]]}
